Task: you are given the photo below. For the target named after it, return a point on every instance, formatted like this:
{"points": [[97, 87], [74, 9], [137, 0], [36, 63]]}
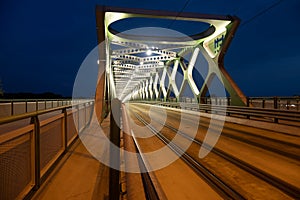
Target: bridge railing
{"points": [[290, 117], [10, 107], [282, 103], [29, 152]]}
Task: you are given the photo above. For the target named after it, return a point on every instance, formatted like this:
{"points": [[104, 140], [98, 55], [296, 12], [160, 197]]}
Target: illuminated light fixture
{"points": [[141, 63], [149, 52], [98, 61], [116, 62]]}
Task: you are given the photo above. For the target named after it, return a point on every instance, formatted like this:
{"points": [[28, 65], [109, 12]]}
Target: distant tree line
{"points": [[27, 95]]}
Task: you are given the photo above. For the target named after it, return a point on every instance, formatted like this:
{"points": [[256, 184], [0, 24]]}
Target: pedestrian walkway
{"points": [[77, 176]]}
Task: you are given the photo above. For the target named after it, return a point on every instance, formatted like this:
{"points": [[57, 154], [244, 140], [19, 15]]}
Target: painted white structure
{"points": [[140, 67]]}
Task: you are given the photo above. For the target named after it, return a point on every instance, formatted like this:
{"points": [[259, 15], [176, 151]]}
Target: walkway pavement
{"points": [[77, 176]]}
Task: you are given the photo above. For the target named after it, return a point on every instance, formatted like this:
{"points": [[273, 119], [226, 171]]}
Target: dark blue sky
{"points": [[42, 44]]}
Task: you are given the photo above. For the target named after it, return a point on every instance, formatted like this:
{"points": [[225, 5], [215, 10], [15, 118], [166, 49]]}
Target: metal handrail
{"points": [[248, 112], [278, 97], [13, 118], [277, 102], [26, 105]]}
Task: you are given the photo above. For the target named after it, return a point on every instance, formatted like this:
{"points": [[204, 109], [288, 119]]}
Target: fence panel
{"points": [[16, 163], [5, 109], [82, 117], [88, 113], [31, 106], [19, 108], [51, 141], [71, 127]]}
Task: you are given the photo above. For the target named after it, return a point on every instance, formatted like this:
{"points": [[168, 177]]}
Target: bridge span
{"points": [[255, 156], [167, 122]]}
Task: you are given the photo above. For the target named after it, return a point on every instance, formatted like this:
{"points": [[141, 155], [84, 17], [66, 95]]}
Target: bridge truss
{"points": [[137, 66]]}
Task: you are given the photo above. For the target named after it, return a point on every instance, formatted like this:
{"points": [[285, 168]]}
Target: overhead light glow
{"points": [[149, 52]]}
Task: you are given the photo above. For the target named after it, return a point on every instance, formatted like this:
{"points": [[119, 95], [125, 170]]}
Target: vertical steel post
{"points": [[12, 107], [65, 136], [78, 118], [275, 107], [263, 103], [37, 167], [248, 105], [26, 104], [85, 114], [275, 103], [248, 101], [36, 105], [114, 174]]}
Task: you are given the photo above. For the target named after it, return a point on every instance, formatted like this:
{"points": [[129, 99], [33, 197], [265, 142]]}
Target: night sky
{"points": [[43, 43]]}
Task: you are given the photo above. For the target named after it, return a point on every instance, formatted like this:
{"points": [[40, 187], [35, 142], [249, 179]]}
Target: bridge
{"points": [[167, 122]]}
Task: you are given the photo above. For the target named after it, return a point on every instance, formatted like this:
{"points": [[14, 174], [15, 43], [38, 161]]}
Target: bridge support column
{"points": [[114, 150]]}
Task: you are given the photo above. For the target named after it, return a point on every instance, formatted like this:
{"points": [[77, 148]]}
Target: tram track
{"points": [[283, 186], [222, 188], [150, 190], [287, 149]]}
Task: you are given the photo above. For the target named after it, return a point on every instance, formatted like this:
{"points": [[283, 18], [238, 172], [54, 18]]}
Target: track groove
{"points": [[287, 188], [214, 181]]}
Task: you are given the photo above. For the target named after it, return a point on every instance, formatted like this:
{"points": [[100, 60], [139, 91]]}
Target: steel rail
{"points": [[222, 188], [146, 179], [149, 187], [278, 183], [262, 145], [287, 188], [273, 148]]}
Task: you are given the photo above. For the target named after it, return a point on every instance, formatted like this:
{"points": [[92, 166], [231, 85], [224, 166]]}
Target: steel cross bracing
{"points": [[139, 67], [136, 80]]}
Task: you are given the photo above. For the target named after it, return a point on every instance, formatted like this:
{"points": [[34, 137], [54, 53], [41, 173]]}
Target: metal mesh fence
{"points": [[81, 118], [51, 142], [24, 160], [16, 166], [70, 127]]}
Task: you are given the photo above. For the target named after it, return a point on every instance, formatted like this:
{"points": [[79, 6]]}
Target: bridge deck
{"points": [[248, 156]]}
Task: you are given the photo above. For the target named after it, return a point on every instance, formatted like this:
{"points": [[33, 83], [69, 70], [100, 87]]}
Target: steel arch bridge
{"points": [[132, 71]]}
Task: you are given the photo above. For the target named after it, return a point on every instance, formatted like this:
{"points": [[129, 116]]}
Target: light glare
{"points": [[149, 52]]}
